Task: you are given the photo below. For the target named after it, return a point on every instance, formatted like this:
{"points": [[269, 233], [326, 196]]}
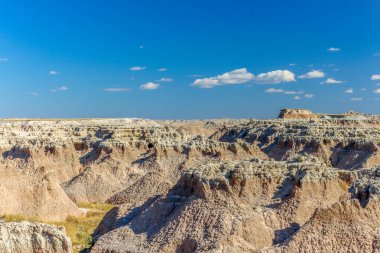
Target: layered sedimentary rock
{"points": [[252, 206], [296, 114], [217, 186], [341, 143], [26, 237]]}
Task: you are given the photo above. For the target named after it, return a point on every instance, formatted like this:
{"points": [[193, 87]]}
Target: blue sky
{"points": [[188, 59]]}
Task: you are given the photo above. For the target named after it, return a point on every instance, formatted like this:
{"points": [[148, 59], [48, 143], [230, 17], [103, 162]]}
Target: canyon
{"points": [[303, 182]]}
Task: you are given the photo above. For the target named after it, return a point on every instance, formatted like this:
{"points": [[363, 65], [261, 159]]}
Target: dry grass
{"points": [[79, 229]]}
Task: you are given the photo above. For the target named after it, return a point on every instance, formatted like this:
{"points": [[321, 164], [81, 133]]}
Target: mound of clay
{"points": [[34, 196], [26, 237]]}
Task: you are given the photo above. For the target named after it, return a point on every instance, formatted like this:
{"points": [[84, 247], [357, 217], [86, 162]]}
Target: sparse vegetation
{"points": [[79, 229]]}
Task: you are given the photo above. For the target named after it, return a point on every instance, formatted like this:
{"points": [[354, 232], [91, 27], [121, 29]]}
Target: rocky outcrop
{"points": [[217, 186], [227, 207], [296, 114], [344, 227], [26, 237], [345, 144]]}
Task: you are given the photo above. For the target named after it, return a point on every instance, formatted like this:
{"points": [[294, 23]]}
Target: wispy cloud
{"points": [[297, 97], [293, 64], [290, 92], [331, 81], [116, 89], [165, 80], [162, 69], [240, 76], [53, 72], [61, 88], [286, 92], [273, 90], [376, 54], [312, 74], [309, 95], [377, 91], [3, 59], [137, 68], [375, 77], [33, 93], [356, 99], [149, 86], [333, 49], [350, 91]]}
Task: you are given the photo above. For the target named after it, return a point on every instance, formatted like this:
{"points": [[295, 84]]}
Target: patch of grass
{"points": [[79, 229], [93, 206], [19, 218]]}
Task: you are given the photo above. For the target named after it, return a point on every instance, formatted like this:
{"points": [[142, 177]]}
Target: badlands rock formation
{"points": [[26, 237], [296, 114], [304, 181]]}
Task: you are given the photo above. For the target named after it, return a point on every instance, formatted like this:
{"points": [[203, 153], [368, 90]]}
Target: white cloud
{"points": [[162, 69], [116, 89], [375, 77], [356, 99], [240, 76], [331, 81], [62, 88], [206, 83], [3, 59], [377, 91], [350, 91], [274, 77], [333, 49], [297, 97], [53, 72], [313, 74], [293, 64], [289, 92], [273, 90], [165, 80], [309, 95], [33, 93], [286, 92], [237, 76], [137, 68], [149, 86]]}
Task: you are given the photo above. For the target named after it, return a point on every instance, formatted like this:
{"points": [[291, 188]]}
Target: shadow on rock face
{"points": [[187, 246], [282, 234], [17, 152]]}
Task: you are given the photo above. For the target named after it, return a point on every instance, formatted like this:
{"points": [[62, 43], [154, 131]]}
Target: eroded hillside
{"points": [[303, 181]]}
